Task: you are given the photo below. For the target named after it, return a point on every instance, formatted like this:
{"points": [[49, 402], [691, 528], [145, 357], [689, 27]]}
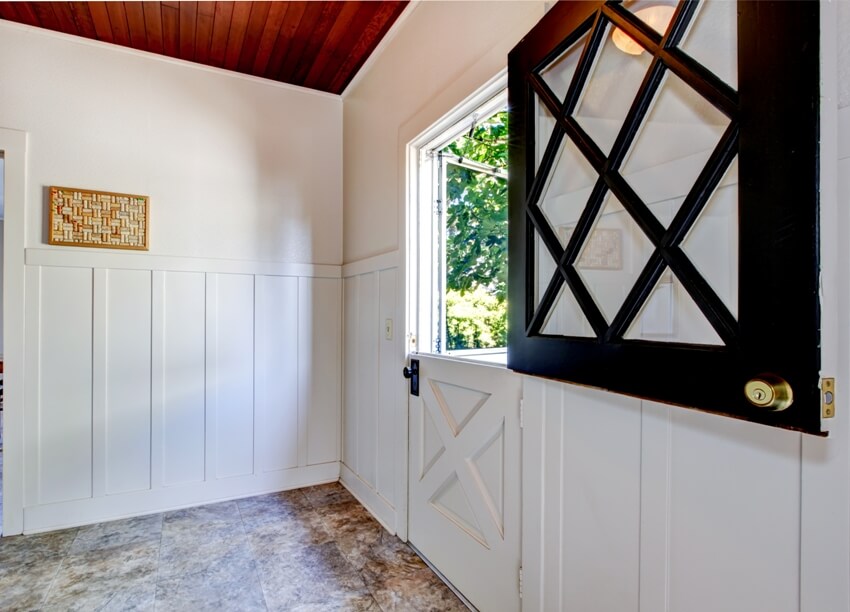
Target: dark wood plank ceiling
{"points": [[314, 44]]}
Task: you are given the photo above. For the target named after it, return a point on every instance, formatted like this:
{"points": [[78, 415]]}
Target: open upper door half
{"points": [[663, 199]]}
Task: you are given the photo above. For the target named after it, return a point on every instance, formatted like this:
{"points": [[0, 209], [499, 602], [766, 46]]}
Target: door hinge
{"points": [[827, 397], [521, 413], [520, 582]]}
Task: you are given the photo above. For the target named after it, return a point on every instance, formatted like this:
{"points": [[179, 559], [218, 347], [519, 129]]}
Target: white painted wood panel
{"points": [[632, 505], [464, 477], [582, 471], [319, 338], [65, 385], [389, 380], [374, 392], [367, 377], [734, 515], [128, 380], [230, 373], [183, 389], [276, 382], [351, 372]]}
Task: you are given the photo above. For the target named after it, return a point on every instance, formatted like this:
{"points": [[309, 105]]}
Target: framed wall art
{"points": [[89, 218]]}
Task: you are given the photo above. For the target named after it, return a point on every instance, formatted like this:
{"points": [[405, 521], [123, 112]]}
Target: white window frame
{"points": [[424, 277]]}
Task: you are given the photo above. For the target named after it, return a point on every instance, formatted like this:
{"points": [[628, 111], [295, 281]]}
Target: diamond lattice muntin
{"points": [[607, 116]]}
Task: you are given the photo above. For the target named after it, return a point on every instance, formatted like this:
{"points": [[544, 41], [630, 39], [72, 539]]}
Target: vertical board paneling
{"points": [[65, 385], [534, 424], [581, 507], [351, 373], [234, 374], [276, 342], [367, 398], [319, 323], [128, 379], [183, 419], [655, 505], [388, 382], [734, 518]]}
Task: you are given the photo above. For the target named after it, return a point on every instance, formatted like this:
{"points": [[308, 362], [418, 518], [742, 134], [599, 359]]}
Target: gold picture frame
{"points": [[101, 219]]}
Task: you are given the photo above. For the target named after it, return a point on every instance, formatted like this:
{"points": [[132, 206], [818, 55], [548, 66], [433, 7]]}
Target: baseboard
{"points": [[50, 517], [379, 507]]}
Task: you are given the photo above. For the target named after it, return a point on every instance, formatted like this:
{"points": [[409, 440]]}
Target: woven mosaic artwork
{"points": [[83, 217]]}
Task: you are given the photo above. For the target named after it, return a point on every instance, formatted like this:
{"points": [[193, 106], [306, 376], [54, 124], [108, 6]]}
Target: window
{"points": [[461, 225]]}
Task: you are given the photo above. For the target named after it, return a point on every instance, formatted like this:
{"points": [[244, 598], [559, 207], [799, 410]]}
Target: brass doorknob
{"points": [[770, 392]]}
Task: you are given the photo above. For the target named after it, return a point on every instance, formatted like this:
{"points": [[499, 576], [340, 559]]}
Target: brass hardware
{"points": [[827, 389], [769, 392]]}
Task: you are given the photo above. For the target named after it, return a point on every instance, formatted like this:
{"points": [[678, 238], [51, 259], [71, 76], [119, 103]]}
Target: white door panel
{"points": [[464, 478]]}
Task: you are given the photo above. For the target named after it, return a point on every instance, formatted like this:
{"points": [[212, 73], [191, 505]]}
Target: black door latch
{"points": [[413, 374]]}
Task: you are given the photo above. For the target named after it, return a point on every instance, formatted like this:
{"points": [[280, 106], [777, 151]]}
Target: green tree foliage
{"points": [[477, 319], [477, 239]]}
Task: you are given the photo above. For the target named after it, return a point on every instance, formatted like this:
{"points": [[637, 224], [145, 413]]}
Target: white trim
{"points": [[92, 258], [377, 506], [376, 263], [14, 146], [167, 59], [380, 48], [825, 489], [138, 503]]}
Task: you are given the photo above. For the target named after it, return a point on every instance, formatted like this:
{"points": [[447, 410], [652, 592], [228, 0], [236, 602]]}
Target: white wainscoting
{"points": [[155, 387], [633, 505], [375, 395]]}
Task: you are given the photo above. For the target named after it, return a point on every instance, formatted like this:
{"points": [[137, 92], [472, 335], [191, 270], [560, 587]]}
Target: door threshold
{"points": [[445, 580]]}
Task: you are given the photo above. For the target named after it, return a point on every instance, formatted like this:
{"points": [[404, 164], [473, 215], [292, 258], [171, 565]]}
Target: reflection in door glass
{"points": [[559, 73], [612, 257], [565, 317], [671, 315], [712, 39], [567, 188], [675, 141], [712, 244], [610, 90]]}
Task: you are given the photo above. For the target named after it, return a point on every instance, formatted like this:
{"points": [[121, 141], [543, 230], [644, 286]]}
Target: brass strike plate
{"points": [[827, 391]]}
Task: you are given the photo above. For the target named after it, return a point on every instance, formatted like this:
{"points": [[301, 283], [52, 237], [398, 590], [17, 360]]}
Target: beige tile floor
{"points": [[313, 549]]}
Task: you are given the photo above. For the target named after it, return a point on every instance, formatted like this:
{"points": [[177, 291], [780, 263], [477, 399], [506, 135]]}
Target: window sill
{"points": [[491, 357]]}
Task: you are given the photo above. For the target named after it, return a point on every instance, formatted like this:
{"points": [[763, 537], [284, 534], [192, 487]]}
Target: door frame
{"points": [[13, 143]]}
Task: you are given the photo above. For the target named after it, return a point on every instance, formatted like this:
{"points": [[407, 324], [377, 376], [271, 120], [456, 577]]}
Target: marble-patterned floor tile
{"points": [[400, 591], [24, 586], [322, 495], [26, 548], [219, 587], [394, 555], [113, 534], [257, 512], [222, 512], [193, 557], [272, 539], [353, 529], [344, 604], [113, 579], [314, 575]]}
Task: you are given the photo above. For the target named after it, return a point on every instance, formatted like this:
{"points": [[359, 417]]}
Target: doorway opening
{"points": [[462, 232]]}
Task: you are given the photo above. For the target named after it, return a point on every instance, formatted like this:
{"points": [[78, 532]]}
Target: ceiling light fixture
{"points": [[657, 16]]}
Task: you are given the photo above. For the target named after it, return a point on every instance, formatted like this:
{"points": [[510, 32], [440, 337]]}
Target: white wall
{"points": [[443, 52], [207, 368], [236, 168], [627, 505]]}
